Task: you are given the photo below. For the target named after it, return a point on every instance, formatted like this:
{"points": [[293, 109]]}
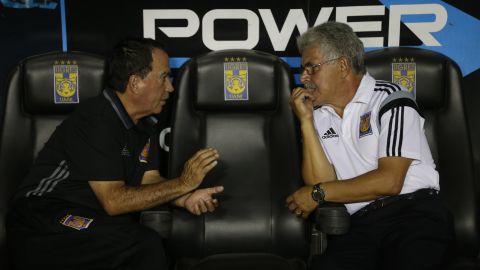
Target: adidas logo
{"points": [[330, 134], [125, 152]]}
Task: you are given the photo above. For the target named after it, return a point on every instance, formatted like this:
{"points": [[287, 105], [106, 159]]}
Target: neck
{"points": [[129, 106], [348, 90]]}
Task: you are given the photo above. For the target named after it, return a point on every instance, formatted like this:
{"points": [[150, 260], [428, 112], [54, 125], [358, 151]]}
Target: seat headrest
{"points": [[233, 80], [55, 83], [423, 71]]}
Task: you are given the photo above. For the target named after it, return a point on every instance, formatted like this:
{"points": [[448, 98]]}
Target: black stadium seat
{"points": [[32, 114], [237, 102], [436, 80]]}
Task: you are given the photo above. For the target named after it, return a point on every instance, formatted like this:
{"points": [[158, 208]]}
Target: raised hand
{"points": [[198, 166], [301, 101]]}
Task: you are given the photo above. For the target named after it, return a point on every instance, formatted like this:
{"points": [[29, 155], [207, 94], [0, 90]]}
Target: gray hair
{"points": [[335, 40]]}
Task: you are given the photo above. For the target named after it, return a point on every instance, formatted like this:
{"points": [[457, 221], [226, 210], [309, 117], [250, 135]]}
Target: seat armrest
{"points": [[158, 219], [332, 218]]}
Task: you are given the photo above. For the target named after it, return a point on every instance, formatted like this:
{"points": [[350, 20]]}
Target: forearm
{"points": [[315, 166], [366, 187], [180, 201], [126, 199]]}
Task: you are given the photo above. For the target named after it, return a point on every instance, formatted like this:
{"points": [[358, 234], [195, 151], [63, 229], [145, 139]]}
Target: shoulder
{"points": [[95, 116], [386, 87], [390, 96]]}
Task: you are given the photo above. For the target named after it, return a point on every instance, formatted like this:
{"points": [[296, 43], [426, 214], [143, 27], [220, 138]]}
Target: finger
{"points": [[307, 94], [289, 199], [205, 161], [302, 97], [208, 153], [200, 152], [209, 167], [203, 206], [197, 210], [203, 152], [210, 205], [214, 190], [297, 90], [292, 207], [215, 203], [305, 215]]}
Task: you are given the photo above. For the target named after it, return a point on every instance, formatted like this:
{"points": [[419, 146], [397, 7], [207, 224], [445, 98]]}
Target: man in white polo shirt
{"points": [[364, 146]]}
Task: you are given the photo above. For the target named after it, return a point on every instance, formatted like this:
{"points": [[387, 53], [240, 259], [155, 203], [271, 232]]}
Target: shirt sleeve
{"points": [[94, 151], [154, 153], [401, 128]]}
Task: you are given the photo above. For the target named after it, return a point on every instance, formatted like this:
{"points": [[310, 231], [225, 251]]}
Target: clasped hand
{"points": [[301, 202], [201, 200]]}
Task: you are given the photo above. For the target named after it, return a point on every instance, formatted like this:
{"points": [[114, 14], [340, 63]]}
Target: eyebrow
{"points": [[306, 64], [166, 73]]}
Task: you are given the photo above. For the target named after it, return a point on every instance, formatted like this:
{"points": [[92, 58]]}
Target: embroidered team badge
{"points": [[76, 222], [144, 154], [365, 127], [65, 82], [235, 71], [404, 72]]}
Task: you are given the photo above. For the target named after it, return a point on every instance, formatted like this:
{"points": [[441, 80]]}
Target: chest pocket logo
{"points": [[144, 154], [365, 126]]}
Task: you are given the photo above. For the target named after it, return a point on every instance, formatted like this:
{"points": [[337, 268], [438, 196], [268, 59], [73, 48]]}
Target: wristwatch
{"points": [[318, 194]]}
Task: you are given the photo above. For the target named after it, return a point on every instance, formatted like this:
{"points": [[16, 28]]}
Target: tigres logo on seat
{"points": [[235, 70], [66, 82], [404, 73]]}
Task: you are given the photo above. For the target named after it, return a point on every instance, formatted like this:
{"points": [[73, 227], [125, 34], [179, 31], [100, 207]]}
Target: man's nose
{"points": [[304, 77], [170, 87]]}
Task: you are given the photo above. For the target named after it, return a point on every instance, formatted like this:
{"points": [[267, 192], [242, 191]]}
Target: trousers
{"points": [[38, 238], [413, 232]]}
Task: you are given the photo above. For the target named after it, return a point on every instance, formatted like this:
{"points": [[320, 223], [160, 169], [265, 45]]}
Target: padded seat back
{"points": [[436, 80], [41, 92], [237, 102]]}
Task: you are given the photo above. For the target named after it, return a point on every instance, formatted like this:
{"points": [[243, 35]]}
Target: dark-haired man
{"points": [[75, 208]]}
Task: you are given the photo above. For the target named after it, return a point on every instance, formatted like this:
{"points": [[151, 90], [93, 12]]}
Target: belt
{"points": [[380, 203]]}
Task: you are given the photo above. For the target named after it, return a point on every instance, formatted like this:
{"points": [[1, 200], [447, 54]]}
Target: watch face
{"points": [[317, 193]]}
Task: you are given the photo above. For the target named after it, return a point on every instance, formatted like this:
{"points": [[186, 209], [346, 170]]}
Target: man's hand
{"points": [[301, 101], [198, 166], [301, 202], [201, 201]]}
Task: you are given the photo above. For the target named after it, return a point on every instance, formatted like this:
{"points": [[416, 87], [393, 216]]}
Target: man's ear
{"points": [[344, 66], [133, 82]]}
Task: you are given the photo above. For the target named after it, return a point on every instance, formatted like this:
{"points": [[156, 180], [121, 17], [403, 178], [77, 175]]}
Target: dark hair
{"points": [[335, 39], [130, 56]]}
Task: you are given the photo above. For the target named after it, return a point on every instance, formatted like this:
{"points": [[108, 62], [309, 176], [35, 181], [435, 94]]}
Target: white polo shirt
{"points": [[354, 143]]}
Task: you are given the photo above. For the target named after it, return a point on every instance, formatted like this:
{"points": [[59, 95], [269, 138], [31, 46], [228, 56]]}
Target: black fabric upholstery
{"points": [[259, 162], [440, 98], [31, 115]]}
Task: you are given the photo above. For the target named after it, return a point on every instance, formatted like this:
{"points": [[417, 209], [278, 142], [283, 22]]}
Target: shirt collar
{"points": [[364, 91], [363, 94], [118, 108]]}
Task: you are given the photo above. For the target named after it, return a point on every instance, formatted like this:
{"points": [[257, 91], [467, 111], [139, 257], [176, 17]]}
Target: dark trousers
{"points": [[37, 239], [407, 234]]}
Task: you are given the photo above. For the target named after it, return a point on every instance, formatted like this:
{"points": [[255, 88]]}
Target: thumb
{"points": [[216, 189]]}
